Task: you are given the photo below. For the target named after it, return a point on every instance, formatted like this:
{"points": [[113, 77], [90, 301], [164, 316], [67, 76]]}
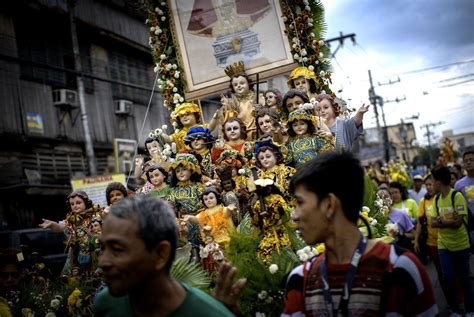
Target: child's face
{"points": [[183, 174], [265, 124], [232, 131], [301, 84], [156, 177], [240, 84], [270, 99], [300, 127], [77, 204], [210, 200], [96, 228], [267, 159], [395, 194], [188, 120], [325, 110], [294, 103], [153, 147], [115, 196], [198, 144]]}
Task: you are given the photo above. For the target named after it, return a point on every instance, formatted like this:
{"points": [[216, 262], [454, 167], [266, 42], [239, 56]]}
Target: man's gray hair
{"points": [[156, 220]]}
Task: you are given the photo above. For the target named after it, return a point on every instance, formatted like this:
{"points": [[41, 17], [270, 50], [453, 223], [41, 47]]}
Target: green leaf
{"points": [[191, 274]]}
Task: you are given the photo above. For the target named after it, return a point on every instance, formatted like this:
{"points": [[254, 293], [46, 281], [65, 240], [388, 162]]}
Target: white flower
{"points": [[262, 295], [305, 59], [305, 2], [273, 268], [203, 253], [310, 24], [163, 4], [164, 127], [181, 99], [322, 73], [152, 29], [392, 229], [162, 56], [303, 257], [241, 171], [175, 66], [173, 147], [296, 56], [321, 42], [317, 62], [374, 222], [303, 52], [366, 209], [307, 8], [307, 249], [175, 89], [160, 87], [168, 66], [321, 55], [55, 303], [294, 46], [175, 124], [50, 314], [311, 67], [176, 75], [285, 19], [157, 9], [158, 31], [163, 18], [324, 92], [156, 69]]}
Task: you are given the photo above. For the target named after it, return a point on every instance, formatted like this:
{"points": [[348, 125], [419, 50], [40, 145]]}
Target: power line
{"points": [[456, 84], [437, 67], [457, 77]]}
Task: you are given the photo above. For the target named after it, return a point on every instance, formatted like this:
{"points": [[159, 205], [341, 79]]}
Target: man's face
{"points": [[124, 259], [417, 184], [309, 216], [294, 103], [468, 161]]}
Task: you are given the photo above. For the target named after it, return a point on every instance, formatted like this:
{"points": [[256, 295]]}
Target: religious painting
{"points": [[212, 34]]}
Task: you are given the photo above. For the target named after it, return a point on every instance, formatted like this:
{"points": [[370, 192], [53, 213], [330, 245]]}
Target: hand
{"points": [[323, 134], [364, 108], [232, 208], [416, 246], [49, 224], [139, 161], [226, 290]]}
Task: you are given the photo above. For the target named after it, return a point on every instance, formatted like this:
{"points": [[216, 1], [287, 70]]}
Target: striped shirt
{"points": [[390, 281]]}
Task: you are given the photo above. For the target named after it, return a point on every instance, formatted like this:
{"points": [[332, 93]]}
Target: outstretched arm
{"points": [[359, 116], [53, 225]]}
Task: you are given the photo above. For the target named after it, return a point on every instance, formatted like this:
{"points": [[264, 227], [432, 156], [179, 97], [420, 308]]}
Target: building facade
{"points": [[43, 143]]}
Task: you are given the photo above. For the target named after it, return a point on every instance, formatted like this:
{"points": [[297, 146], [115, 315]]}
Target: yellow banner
{"points": [[95, 186]]}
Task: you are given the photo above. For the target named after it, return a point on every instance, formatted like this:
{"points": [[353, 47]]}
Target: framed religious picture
{"points": [[124, 150], [213, 34]]}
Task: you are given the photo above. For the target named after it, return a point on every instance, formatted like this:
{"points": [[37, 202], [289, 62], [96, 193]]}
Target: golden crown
{"points": [[235, 68]]}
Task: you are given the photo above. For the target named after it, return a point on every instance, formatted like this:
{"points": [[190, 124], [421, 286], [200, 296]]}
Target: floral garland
{"points": [[304, 21], [170, 81]]}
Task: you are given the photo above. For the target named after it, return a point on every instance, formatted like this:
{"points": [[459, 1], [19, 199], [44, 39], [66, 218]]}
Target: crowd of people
{"points": [[283, 163]]}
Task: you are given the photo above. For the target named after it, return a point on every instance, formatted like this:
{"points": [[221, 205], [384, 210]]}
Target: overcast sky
{"points": [[396, 37]]}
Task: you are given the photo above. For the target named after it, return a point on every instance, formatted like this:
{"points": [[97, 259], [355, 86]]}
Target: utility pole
{"points": [[428, 134], [373, 100], [340, 39], [80, 87], [404, 135]]}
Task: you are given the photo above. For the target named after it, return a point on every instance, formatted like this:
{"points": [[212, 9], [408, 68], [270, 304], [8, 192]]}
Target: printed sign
{"points": [[95, 186]]}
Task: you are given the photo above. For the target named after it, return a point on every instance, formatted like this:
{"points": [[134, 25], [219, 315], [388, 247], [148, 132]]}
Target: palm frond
{"points": [[190, 274]]}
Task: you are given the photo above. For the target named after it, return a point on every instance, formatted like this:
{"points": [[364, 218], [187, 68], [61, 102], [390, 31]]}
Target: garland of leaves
{"points": [[304, 21]]}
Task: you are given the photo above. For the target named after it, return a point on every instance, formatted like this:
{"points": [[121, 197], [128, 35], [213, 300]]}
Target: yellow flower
{"points": [[320, 248], [74, 300]]}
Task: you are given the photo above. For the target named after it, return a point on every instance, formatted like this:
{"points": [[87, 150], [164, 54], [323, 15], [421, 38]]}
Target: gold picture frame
{"points": [[209, 37]]}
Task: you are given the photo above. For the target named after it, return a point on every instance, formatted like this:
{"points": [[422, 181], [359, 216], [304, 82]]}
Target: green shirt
{"points": [[409, 206], [196, 303], [453, 239]]}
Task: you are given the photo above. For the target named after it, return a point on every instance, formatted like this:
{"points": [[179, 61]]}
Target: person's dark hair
{"points": [[155, 167], [115, 186], [428, 177], [311, 129], [323, 176], [470, 150], [209, 190], [240, 75], [278, 155], [155, 219], [291, 94], [401, 188], [243, 128], [81, 194], [442, 174], [276, 92]]}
